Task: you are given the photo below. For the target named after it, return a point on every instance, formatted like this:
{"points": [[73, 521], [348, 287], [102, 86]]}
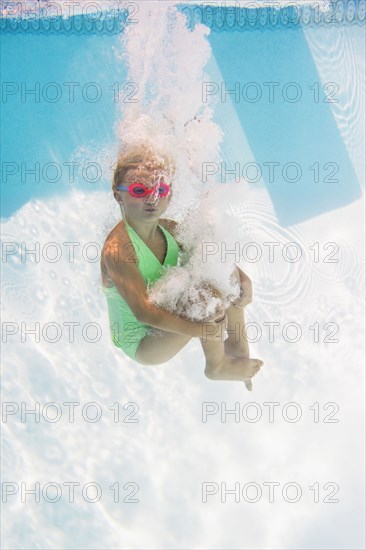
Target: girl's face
{"points": [[150, 206]]}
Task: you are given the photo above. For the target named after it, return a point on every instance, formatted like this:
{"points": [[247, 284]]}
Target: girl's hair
{"points": [[139, 157]]}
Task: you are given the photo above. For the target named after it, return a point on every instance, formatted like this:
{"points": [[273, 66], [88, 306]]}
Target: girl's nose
{"points": [[153, 197]]}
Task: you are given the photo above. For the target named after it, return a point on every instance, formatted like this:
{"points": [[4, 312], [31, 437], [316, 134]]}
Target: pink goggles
{"points": [[140, 190]]}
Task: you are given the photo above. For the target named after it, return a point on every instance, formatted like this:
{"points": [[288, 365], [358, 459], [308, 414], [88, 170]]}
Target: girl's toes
{"points": [[248, 384]]}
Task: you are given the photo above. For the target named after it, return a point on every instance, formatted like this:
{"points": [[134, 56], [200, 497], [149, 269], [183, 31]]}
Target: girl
{"points": [[137, 252]]}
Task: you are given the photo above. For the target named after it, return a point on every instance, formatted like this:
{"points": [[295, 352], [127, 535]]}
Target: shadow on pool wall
{"points": [[270, 78]]}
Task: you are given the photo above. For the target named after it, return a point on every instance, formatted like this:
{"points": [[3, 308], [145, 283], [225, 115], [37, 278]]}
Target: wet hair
{"points": [[141, 157]]}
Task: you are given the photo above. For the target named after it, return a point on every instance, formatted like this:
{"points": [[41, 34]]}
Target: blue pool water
{"points": [[290, 122]]}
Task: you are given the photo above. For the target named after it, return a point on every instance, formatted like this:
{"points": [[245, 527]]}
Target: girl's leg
{"points": [[159, 348], [155, 349], [229, 359], [220, 366], [162, 346], [236, 343]]}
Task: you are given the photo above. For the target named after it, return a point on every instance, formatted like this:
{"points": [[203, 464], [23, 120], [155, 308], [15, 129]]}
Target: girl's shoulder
{"points": [[113, 237], [117, 233], [116, 244]]}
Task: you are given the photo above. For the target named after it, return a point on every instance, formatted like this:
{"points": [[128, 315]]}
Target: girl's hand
{"points": [[246, 291]]}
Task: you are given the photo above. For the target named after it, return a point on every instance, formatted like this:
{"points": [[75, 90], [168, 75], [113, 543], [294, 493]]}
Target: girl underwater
{"points": [[137, 253]]}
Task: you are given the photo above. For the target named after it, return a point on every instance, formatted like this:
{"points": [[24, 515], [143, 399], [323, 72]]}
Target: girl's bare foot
{"points": [[234, 368], [248, 384]]}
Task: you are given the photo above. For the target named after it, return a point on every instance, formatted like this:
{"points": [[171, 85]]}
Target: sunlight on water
{"points": [[170, 451]]}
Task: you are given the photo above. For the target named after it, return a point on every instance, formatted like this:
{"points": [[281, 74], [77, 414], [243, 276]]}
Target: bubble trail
{"points": [[170, 115]]}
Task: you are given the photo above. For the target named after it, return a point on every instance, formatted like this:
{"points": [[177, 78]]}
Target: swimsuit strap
{"points": [[172, 247]]}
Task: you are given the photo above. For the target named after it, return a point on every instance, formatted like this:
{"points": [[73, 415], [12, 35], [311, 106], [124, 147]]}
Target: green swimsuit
{"points": [[126, 331]]}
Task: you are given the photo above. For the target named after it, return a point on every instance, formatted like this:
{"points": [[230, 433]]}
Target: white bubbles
{"points": [[171, 117], [205, 281], [183, 294], [169, 112]]}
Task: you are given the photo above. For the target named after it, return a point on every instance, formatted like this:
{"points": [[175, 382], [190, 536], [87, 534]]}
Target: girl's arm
{"points": [[123, 271]]}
